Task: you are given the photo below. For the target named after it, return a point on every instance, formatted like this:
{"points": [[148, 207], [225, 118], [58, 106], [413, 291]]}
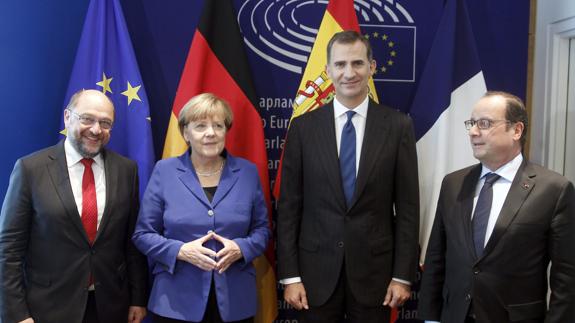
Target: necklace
{"points": [[208, 174]]}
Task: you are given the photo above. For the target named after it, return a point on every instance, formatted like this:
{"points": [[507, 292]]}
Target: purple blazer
{"points": [[176, 210]]}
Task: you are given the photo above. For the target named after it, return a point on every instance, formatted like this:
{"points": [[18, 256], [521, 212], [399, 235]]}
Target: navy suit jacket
{"points": [[175, 210]]}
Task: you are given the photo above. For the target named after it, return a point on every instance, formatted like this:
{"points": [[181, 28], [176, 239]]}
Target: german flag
{"points": [[217, 63], [315, 88]]}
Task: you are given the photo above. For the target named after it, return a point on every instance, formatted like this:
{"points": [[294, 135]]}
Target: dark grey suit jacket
{"points": [[508, 283], [378, 235], [45, 256]]}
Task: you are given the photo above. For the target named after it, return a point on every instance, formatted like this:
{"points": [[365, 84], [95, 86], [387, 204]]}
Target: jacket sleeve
{"points": [[255, 243], [15, 221], [562, 275], [137, 264], [430, 301], [406, 201], [290, 204], [148, 236]]}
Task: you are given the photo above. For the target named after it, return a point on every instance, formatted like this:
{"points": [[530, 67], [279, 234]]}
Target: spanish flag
{"points": [[315, 88], [217, 63]]}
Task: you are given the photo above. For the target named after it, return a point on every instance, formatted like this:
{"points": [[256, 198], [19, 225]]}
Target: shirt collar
{"points": [[339, 109], [73, 156], [506, 171]]}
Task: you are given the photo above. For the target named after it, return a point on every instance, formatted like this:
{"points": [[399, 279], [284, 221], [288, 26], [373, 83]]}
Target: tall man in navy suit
{"points": [[348, 215], [66, 224], [497, 227]]}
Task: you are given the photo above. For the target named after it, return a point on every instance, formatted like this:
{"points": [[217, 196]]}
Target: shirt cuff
{"points": [[291, 280], [405, 282]]}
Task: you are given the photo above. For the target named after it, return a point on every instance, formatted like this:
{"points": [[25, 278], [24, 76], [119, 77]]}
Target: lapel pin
{"points": [[526, 186]]}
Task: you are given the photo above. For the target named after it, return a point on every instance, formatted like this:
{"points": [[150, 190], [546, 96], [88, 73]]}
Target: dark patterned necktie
{"points": [[347, 158], [482, 211]]}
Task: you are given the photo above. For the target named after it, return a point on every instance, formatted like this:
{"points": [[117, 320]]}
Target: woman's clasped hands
{"points": [[207, 259]]}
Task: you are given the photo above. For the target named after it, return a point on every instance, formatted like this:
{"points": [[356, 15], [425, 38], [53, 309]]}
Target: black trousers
{"points": [[91, 313], [212, 314], [342, 304]]}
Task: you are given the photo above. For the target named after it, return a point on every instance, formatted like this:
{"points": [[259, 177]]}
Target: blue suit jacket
{"points": [[175, 210]]}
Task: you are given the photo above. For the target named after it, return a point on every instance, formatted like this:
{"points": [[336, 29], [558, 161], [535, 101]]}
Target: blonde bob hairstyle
{"points": [[202, 106]]}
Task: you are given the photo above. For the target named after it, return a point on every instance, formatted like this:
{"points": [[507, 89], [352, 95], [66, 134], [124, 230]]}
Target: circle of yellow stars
{"points": [[389, 44]]}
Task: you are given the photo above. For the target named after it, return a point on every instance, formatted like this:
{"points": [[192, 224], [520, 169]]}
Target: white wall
{"points": [[555, 25]]}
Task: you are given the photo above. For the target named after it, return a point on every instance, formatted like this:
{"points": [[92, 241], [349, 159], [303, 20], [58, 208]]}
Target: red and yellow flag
{"points": [[217, 63], [316, 88]]}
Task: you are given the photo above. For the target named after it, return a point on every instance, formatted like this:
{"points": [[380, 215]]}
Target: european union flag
{"points": [[105, 61], [394, 50]]}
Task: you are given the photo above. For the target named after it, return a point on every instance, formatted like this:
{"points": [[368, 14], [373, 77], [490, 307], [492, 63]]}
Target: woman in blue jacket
{"points": [[202, 221]]}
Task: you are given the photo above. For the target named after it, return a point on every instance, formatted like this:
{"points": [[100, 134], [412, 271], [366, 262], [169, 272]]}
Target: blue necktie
{"points": [[482, 211], [347, 158]]}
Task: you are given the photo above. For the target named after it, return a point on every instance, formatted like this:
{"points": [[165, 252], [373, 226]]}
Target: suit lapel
{"points": [[328, 150], [190, 180], [111, 174], [522, 185], [465, 204], [58, 170], [227, 181], [374, 140]]}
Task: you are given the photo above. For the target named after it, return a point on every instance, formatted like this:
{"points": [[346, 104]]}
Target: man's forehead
{"points": [[489, 106]]}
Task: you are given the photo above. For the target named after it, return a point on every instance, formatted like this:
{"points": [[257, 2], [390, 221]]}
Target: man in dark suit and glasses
{"points": [[497, 227], [348, 213], [65, 228]]}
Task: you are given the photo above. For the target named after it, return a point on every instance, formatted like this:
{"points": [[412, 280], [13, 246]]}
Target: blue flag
{"points": [[451, 83], [105, 61]]}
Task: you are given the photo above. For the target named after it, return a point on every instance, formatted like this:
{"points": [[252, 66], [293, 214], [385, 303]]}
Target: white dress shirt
{"points": [[358, 121], [500, 189], [76, 172]]}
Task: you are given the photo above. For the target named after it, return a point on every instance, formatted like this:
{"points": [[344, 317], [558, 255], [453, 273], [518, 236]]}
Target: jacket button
{"points": [[93, 251], [211, 213], [340, 244], [476, 271], [468, 297]]}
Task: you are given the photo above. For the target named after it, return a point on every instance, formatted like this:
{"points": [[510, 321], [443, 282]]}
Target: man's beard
{"points": [[79, 145]]}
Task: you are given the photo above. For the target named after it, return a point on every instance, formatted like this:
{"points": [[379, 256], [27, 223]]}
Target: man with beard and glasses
{"points": [[66, 224]]}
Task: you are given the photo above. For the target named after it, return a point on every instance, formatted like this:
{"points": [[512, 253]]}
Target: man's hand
{"points": [[229, 254], [136, 314], [294, 294], [397, 294], [196, 254], [28, 320]]}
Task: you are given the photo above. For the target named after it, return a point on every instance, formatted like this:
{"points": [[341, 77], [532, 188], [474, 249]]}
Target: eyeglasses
{"points": [[89, 120], [482, 124]]}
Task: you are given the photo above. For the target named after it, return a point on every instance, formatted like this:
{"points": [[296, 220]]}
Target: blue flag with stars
{"points": [[105, 61]]}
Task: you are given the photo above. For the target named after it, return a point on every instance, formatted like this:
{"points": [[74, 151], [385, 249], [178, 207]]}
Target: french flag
{"points": [[450, 84]]}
